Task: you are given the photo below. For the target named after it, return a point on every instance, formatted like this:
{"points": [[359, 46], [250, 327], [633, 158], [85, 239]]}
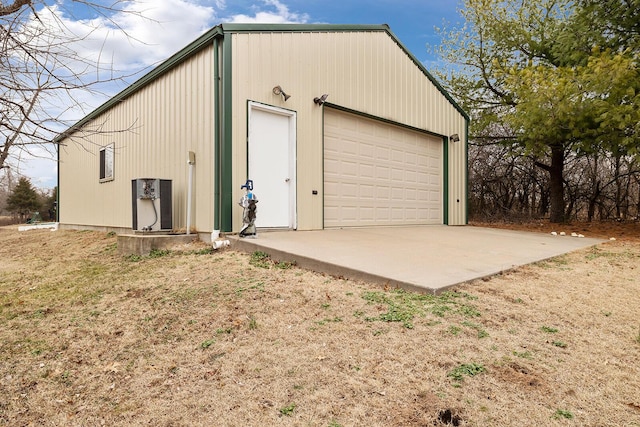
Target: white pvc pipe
{"points": [[189, 198]]}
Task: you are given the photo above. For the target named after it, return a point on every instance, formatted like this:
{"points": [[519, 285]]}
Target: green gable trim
{"points": [[429, 76], [58, 185], [300, 28], [466, 172]]}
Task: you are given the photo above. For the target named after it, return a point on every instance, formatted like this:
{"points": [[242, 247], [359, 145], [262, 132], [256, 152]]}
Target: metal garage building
{"points": [[386, 147]]}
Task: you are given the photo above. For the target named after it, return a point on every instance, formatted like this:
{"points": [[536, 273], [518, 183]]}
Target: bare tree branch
{"points": [[42, 73], [14, 7]]}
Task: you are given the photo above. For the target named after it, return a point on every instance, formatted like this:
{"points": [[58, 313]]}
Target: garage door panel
{"points": [[383, 153], [331, 166], [331, 211], [366, 213], [367, 170], [382, 192], [350, 190], [398, 214], [383, 173], [397, 174], [382, 214], [348, 168], [367, 191], [379, 174], [397, 194], [399, 156], [351, 213]]}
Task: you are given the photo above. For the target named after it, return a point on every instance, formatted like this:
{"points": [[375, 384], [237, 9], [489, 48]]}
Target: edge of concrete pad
{"points": [[331, 269]]}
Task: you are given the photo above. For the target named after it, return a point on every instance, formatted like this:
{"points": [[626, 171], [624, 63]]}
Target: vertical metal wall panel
{"points": [[365, 71], [152, 130]]}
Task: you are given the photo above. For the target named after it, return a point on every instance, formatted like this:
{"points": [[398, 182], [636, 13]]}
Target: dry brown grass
{"points": [[8, 220], [88, 337]]}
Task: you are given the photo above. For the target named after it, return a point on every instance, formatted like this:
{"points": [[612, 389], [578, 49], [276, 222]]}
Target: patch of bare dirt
{"points": [[191, 337]]}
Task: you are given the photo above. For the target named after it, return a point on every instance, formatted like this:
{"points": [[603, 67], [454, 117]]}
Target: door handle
{"points": [[287, 180]]}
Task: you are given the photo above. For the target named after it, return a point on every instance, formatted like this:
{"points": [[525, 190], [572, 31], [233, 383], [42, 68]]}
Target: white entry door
{"points": [[272, 164]]}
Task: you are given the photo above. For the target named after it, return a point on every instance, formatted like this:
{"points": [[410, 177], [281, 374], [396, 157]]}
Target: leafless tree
{"points": [[506, 184], [42, 74]]}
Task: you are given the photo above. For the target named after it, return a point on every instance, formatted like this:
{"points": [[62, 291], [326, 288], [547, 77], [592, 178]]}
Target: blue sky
{"points": [[159, 28], [413, 21]]}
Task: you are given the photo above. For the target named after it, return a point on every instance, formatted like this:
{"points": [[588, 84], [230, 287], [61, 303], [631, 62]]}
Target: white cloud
{"points": [[112, 50], [141, 35], [281, 15], [146, 32]]}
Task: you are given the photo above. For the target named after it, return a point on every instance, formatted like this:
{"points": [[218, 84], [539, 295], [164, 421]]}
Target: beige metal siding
{"points": [[153, 130], [379, 174], [364, 71], [458, 174]]}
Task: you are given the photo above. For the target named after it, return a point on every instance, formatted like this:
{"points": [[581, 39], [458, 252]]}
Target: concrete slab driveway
{"points": [[424, 258]]}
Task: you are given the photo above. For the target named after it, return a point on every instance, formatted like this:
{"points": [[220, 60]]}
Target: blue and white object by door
{"points": [[272, 164]]}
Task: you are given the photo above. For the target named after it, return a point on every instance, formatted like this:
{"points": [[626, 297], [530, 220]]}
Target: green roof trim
{"points": [[429, 76], [466, 171], [300, 28], [206, 40]]}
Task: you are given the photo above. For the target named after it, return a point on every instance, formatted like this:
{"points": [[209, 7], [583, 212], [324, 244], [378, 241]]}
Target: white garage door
{"points": [[379, 174]]}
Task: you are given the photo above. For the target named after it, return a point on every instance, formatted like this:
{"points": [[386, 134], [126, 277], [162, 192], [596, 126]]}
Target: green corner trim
{"points": [[466, 172], [58, 185], [226, 146], [445, 180], [216, 135]]}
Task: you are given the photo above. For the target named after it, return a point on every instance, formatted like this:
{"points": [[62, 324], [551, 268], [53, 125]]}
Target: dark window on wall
{"points": [[106, 163]]}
